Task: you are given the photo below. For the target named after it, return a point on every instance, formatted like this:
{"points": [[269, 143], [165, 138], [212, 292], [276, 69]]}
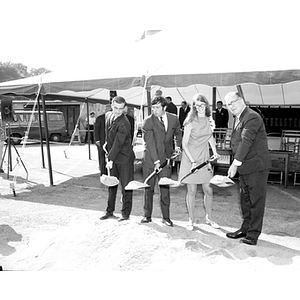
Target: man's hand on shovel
{"points": [[109, 164]]}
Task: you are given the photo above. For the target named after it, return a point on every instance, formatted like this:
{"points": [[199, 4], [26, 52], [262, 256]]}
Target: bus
{"points": [[57, 128]]}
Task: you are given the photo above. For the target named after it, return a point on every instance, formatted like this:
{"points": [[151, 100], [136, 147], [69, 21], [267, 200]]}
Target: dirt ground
{"points": [[57, 227]]}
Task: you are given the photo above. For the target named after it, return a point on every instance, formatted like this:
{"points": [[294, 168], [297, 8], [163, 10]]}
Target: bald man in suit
{"points": [[252, 161]]}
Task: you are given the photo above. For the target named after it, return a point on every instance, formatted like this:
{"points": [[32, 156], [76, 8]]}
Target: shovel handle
{"points": [[192, 171], [155, 172]]}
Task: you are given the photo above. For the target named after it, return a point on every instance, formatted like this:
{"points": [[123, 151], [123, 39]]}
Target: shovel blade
{"points": [[109, 180], [136, 185], [168, 181], [221, 181]]}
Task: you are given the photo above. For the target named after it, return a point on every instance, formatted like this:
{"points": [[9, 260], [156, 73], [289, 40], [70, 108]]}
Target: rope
{"points": [[12, 184]]}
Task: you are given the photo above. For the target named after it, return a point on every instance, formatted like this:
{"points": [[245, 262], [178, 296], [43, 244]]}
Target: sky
{"points": [[55, 34]]}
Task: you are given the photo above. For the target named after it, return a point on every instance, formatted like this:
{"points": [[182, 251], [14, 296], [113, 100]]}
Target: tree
{"points": [[12, 71], [39, 71]]}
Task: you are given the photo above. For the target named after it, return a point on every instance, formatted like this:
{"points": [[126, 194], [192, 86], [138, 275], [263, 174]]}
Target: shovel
{"points": [[136, 185], [222, 182], [107, 179]]}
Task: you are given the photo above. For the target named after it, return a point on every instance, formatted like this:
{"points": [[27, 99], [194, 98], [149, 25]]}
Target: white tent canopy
{"points": [[181, 64]]}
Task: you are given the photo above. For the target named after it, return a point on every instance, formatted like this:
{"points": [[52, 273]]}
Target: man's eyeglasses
{"points": [[233, 102]]}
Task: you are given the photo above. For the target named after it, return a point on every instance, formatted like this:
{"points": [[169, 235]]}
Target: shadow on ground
{"points": [[282, 214]]}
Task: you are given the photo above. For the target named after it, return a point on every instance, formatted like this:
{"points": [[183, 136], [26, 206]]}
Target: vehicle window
{"points": [[21, 118], [27, 117], [55, 117], [15, 118]]}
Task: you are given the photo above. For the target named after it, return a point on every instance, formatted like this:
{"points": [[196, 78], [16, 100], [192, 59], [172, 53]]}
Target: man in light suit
{"points": [[159, 130], [252, 161]]}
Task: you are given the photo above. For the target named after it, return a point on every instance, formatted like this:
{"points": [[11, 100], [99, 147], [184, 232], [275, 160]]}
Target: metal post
{"points": [[47, 140], [149, 102], [40, 130], [214, 102], [88, 126]]}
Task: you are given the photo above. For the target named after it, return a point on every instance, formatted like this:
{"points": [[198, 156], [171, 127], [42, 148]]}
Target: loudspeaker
{"points": [[6, 109]]}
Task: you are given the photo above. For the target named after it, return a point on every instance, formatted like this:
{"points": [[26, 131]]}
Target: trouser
{"points": [[91, 129], [164, 193], [125, 173], [253, 192], [101, 160]]}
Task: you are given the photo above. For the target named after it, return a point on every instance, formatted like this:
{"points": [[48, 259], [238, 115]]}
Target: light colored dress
{"points": [[199, 148]]}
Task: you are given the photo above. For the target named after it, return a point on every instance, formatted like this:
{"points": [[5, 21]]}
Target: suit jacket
{"points": [[249, 143], [131, 121], [118, 137], [183, 114], [99, 129], [222, 118], [159, 144], [171, 108]]}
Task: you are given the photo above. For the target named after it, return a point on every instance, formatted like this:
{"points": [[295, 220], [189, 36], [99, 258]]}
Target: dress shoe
{"points": [[236, 235], [106, 216], [146, 220], [249, 241], [167, 222], [123, 219]]}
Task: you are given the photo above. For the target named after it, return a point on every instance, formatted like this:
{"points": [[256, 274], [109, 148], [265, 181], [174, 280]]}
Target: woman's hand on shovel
{"points": [[215, 156], [194, 165]]}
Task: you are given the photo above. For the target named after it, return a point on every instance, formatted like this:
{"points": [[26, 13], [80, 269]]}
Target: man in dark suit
{"points": [[131, 121], [120, 157], [253, 162], [99, 131], [222, 116], [171, 107], [183, 112], [159, 130]]}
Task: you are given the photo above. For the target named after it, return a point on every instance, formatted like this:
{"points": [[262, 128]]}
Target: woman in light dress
{"points": [[198, 135]]}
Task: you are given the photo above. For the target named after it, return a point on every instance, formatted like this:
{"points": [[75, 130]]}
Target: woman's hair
{"points": [[193, 112]]}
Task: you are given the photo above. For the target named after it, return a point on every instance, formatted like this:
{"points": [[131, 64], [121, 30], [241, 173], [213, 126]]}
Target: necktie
{"points": [[162, 122], [112, 119], [237, 120]]}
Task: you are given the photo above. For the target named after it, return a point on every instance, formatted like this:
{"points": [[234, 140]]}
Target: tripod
{"points": [[9, 157]]}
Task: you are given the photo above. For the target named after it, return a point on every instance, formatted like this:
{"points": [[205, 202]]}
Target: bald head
{"points": [[235, 103]]}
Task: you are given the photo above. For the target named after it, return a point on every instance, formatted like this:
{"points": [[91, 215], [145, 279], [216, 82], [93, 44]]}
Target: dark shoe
{"points": [[249, 241], [236, 235], [106, 216], [1, 171], [167, 222], [146, 220], [123, 219]]}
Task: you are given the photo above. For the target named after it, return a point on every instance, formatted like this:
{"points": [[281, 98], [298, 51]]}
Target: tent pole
{"points": [[214, 100], [47, 140], [88, 126], [76, 127], [239, 88], [40, 129], [149, 102]]}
